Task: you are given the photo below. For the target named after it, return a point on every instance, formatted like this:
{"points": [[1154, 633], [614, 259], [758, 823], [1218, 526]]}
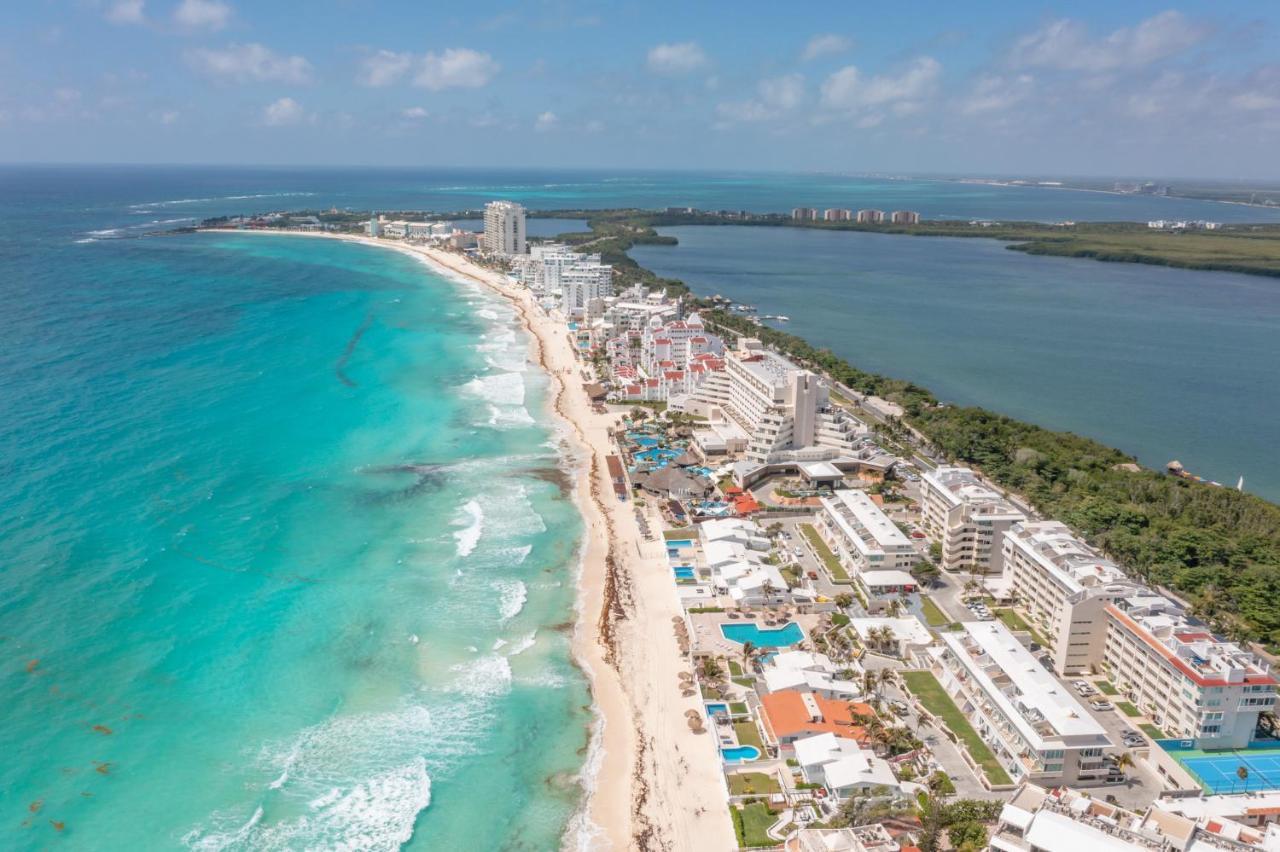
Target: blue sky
{"points": [[1011, 87]]}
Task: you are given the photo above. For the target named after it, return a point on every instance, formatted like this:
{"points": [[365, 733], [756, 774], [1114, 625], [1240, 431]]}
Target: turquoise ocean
{"points": [[286, 556]]}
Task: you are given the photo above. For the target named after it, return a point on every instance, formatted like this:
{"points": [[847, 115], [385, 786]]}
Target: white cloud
{"points": [[825, 45], [456, 68], [245, 63], [992, 93], [1065, 44], [546, 121], [678, 58], [282, 112], [210, 15], [414, 113], [66, 95], [384, 68], [776, 95], [847, 89], [170, 116], [127, 12]]}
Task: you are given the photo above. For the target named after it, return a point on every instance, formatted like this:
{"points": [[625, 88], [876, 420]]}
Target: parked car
{"points": [[1080, 684], [1101, 705], [917, 534], [813, 575]]}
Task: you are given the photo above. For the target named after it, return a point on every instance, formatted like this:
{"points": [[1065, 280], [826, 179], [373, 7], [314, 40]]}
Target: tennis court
{"points": [[1219, 772]]}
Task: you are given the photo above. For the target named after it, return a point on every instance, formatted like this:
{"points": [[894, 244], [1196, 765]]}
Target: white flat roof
{"points": [[1038, 691], [889, 577], [909, 629], [1054, 832], [866, 516], [1068, 559]]}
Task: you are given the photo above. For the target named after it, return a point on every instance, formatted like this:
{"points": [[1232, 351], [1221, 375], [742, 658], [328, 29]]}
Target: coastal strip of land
{"points": [[653, 784]]}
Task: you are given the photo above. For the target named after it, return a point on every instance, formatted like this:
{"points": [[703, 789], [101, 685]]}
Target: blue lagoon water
{"points": [[1162, 363], [286, 558]]}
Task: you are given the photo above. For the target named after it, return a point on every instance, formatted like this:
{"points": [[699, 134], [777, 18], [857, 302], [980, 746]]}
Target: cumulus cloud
{"points": [[456, 68], [825, 44], [211, 15], [677, 58], [414, 113], [775, 96], [384, 68], [282, 112], [127, 12], [1066, 45], [246, 63], [849, 90], [546, 121], [993, 92]]}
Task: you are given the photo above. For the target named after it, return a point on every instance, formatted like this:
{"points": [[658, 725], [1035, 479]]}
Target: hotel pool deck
{"points": [[763, 637], [1219, 771]]}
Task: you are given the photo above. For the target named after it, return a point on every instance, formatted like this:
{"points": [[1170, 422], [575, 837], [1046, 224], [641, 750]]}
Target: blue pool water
{"points": [[713, 709], [740, 754], [781, 637], [659, 455], [683, 572], [677, 543], [644, 440]]}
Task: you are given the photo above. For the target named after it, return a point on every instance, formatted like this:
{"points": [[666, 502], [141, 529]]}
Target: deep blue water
{"points": [[1163, 363]]}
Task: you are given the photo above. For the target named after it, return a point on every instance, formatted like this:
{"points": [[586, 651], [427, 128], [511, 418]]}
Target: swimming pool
{"points": [[644, 440], [683, 572], [658, 455], [677, 543], [713, 709], [781, 637], [740, 754]]}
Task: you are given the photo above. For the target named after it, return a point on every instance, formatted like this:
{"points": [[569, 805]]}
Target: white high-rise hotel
{"points": [[504, 228]]}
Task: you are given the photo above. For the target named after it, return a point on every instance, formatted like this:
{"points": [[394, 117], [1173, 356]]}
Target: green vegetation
{"points": [[737, 708], [1106, 687], [824, 553], [1152, 731], [751, 783], [748, 734], [683, 534], [1215, 546], [706, 609], [751, 823], [935, 699], [934, 616], [1014, 621], [839, 619], [748, 682], [735, 668], [1128, 709]]}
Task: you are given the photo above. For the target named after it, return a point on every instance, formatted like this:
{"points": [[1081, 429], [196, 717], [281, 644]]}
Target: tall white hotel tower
{"points": [[504, 228]]}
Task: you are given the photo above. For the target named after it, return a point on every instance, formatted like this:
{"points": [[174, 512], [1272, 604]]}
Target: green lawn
{"points": [[751, 824], [748, 734], [1152, 731], [935, 699], [748, 682], [1105, 687], [1128, 709], [932, 614], [748, 783], [824, 553], [738, 707], [678, 535], [735, 668], [1014, 621]]}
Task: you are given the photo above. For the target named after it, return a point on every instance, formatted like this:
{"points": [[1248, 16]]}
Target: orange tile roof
{"points": [[784, 715]]}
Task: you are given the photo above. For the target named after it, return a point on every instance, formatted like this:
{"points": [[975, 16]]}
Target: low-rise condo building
{"points": [[790, 715], [1035, 727], [1063, 584], [862, 536], [967, 517], [843, 766], [1065, 820], [905, 217], [504, 228], [870, 217], [1193, 684], [836, 214], [804, 214]]}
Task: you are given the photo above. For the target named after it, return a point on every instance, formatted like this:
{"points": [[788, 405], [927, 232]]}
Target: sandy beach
{"points": [[651, 783]]}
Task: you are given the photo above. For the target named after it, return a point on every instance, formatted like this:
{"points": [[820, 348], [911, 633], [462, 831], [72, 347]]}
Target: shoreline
{"points": [[648, 782]]}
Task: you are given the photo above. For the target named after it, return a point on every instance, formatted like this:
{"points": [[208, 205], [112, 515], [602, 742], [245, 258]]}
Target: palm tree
{"points": [[1124, 762], [870, 682], [1242, 772], [748, 652]]}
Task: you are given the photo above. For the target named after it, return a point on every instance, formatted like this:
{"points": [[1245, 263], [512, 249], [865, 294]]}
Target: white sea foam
{"points": [[511, 415], [175, 201], [88, 240], [486, 677], [499, 388], [523, 644], [469, 536], [513, 594], [106, 232]]}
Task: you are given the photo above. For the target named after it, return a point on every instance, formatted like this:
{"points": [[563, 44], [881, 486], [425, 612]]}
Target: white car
{"points": [[1101, 706]]}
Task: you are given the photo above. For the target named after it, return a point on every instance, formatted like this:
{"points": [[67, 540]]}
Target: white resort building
{"points": [[1035, 727], [504, 228], [967, 517], [863, 536]]}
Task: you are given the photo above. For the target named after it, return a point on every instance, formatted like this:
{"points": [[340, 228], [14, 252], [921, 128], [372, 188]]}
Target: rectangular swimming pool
{"points": [[683, 572], [781, 637]]}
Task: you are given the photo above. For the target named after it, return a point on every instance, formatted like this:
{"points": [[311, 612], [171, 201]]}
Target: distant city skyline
{"points": [[1186, 90]]}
